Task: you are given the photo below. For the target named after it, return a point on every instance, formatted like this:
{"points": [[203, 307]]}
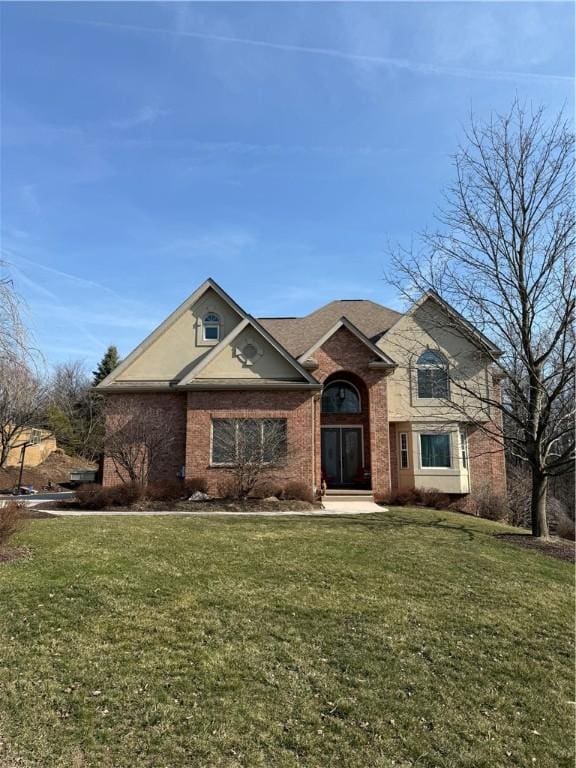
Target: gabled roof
{"points": [[297, 334], [159, 330], [343, 322], [247, 322], [476, 336]]}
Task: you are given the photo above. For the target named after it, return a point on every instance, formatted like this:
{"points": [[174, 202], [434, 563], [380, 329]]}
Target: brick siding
{"points": [[486, 454], [296, 407], [171, 407], [343, 353]]}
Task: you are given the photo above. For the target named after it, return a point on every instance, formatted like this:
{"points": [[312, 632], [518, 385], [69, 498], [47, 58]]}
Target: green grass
{"points": [[411, 638]]}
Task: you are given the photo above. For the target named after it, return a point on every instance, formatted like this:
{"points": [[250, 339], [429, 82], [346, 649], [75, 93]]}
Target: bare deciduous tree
{"points": [[74, 412], [13, 340], [136, 440], [504, 258], [22, 397], [254, 449]]}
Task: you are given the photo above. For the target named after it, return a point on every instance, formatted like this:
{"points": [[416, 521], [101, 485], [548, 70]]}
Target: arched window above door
{"points": [[341, 397]]}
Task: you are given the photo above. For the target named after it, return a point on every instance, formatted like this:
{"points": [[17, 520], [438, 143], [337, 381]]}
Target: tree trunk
{"points": [[538, 506]]}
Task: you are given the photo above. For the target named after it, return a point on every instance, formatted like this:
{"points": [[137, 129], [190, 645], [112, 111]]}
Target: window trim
{"points": [[349, 384], [450, 457], [442, 365], [464, 458], [217, 324], [262, 421], [403, 451]]}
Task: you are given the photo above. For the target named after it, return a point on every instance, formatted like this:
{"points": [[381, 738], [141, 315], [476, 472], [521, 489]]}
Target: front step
{"points": [[357, 496]]}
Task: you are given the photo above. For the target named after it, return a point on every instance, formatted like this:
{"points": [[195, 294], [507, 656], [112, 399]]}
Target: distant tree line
{"points": [[62, 401]]}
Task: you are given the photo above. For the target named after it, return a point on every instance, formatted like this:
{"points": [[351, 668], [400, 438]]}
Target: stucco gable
{"points": [[176, 345], [248, 353], [428, 324]]}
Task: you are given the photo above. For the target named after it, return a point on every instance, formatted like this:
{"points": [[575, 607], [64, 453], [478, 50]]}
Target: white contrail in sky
{"points": [[384, 61]]}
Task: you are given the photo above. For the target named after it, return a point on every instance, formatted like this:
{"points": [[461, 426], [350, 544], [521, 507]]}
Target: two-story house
{"points": [[364, 396]]}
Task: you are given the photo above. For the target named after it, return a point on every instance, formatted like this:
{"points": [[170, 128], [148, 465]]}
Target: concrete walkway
{"points": [[351, 507], [330, 509]]}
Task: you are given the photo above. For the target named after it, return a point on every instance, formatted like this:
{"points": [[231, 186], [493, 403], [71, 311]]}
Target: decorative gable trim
{"points": [[248, 322], [382, 359]]}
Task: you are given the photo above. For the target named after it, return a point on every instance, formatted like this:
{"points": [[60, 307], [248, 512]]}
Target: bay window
{"points": [[435, 450]]}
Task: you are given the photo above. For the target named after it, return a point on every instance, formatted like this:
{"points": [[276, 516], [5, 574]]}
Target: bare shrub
{"points": [[400, 498], [490, 504], [268, 488], [253, 449], [419, 497], [168, 490], [11, 521], [433, 498], [124, 494], [195, 485], [227, 488], [565, 527], [92, 496], [298, 491]]}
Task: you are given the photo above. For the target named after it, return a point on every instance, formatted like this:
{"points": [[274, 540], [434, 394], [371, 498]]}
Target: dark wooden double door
{"points": [[342, 456]]}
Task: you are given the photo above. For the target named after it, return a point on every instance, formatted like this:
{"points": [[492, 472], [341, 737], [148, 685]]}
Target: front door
{"points": [[342, 456]]}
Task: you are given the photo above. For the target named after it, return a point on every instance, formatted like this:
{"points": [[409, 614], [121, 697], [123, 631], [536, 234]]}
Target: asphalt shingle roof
{"points": [[297, 334]]}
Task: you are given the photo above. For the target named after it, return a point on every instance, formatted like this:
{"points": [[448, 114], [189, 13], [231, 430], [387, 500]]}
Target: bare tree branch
{"points": [[503, 256]]}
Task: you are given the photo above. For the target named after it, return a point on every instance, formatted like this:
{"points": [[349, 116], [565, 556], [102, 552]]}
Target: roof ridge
{"points": [[341, 301]]}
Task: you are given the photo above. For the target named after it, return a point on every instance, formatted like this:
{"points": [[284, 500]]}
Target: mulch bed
{"points": [[8, 555], [559, 548], [211, 505]]}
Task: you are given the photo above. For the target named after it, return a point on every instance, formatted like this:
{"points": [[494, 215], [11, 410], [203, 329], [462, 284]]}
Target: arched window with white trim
{"points": [[432, 373], [211, 326], [341, 397]]}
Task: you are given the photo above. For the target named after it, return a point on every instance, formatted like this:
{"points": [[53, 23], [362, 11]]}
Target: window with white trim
{"points": [[211, 327], [435, 450], [464, 448], [404, 460], [432, 375], [249, 441]]}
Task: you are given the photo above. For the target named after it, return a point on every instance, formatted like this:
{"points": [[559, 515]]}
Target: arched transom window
{"points": [[432, 374], [211, 324], [340, 397]]}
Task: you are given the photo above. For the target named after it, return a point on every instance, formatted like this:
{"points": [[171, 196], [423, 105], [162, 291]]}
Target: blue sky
{"points": [[277, 147]]}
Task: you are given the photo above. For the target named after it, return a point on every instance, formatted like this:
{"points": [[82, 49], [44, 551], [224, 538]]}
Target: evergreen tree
{"points": [[110, 361]]}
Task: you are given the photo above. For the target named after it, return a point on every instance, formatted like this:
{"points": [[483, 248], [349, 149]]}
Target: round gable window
{"points": [[250, 353]]}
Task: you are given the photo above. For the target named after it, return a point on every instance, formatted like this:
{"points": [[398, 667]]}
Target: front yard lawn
{"points": [[407, 638]]}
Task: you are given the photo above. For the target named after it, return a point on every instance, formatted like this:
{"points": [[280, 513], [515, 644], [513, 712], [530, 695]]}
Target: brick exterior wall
{"points": [[296, 407], [343, 353], [486, 455], [188, 416], [171, 407]]}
